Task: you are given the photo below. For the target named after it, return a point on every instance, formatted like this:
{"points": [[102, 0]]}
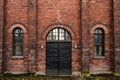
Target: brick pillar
{"points": [[117, 34], [1, 31], [85, 35], [32, 20]]}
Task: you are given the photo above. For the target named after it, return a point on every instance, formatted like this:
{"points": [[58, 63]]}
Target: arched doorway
{"points": [[58, 52]]}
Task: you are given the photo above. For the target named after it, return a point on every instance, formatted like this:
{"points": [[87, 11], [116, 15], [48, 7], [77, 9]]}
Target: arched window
{"points": [[99, 42], [58, 34], [17, 42]]}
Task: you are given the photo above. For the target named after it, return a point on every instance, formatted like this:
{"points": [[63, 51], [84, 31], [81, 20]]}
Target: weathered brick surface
{"points": [[1, 31], [117, 34], [52, 14], [100, 13], [32, 23], [79, 17], [16, 12], [85, 35], [96, 14]]}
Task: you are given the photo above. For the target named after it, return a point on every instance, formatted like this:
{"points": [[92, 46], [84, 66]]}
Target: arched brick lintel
{"points": [[66, 27], [106, 30], [10, 30]]}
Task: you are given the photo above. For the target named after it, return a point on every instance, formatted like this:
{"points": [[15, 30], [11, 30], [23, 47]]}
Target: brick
{"points": [[79, 17]]}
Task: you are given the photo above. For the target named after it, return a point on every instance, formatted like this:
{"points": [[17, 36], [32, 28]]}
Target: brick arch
{"points": [[107, 49], [9, 49], [99, 26], [66, 27], [10, 30]]}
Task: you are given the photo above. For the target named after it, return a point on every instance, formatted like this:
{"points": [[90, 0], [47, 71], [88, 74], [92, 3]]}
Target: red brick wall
{"points": [[52, 14], [85, 35], [16, 12], [97, 14], [1, 31], [100, 13], [79, 17], [117, 34]]}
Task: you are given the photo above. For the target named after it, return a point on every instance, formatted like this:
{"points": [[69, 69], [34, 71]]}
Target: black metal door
{"points": [[58, 58]]}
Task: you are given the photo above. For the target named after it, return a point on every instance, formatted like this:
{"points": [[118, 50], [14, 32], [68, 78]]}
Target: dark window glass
{"points": [[58, 34], [17, 42], [99, 42]]}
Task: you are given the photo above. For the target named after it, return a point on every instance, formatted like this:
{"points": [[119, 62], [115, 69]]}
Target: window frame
{"points": [[17, 44], [102, 44], [60, 37]]}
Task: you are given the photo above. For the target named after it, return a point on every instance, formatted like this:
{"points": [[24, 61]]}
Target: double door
{"points": [[58, 58]]}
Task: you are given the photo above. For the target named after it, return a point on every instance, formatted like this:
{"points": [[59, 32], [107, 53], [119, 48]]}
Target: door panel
{"points": [[65, 58], [58, 58], [52, 58]]}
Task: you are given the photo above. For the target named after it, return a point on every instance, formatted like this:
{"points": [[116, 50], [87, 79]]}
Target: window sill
{"points": [[17, 57], [101, 57]]}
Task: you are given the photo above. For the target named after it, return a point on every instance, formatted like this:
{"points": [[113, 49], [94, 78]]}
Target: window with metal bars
{"points": [[17, 42], [99, 42], [58, 34]]}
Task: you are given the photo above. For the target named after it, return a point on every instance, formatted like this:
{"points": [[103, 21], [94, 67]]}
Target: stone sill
{"points": [[101, 57], [17, 57], [17, 72]]}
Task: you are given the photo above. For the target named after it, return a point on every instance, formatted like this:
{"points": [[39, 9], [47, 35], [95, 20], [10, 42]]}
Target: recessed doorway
{"points": [[58, 52]]}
